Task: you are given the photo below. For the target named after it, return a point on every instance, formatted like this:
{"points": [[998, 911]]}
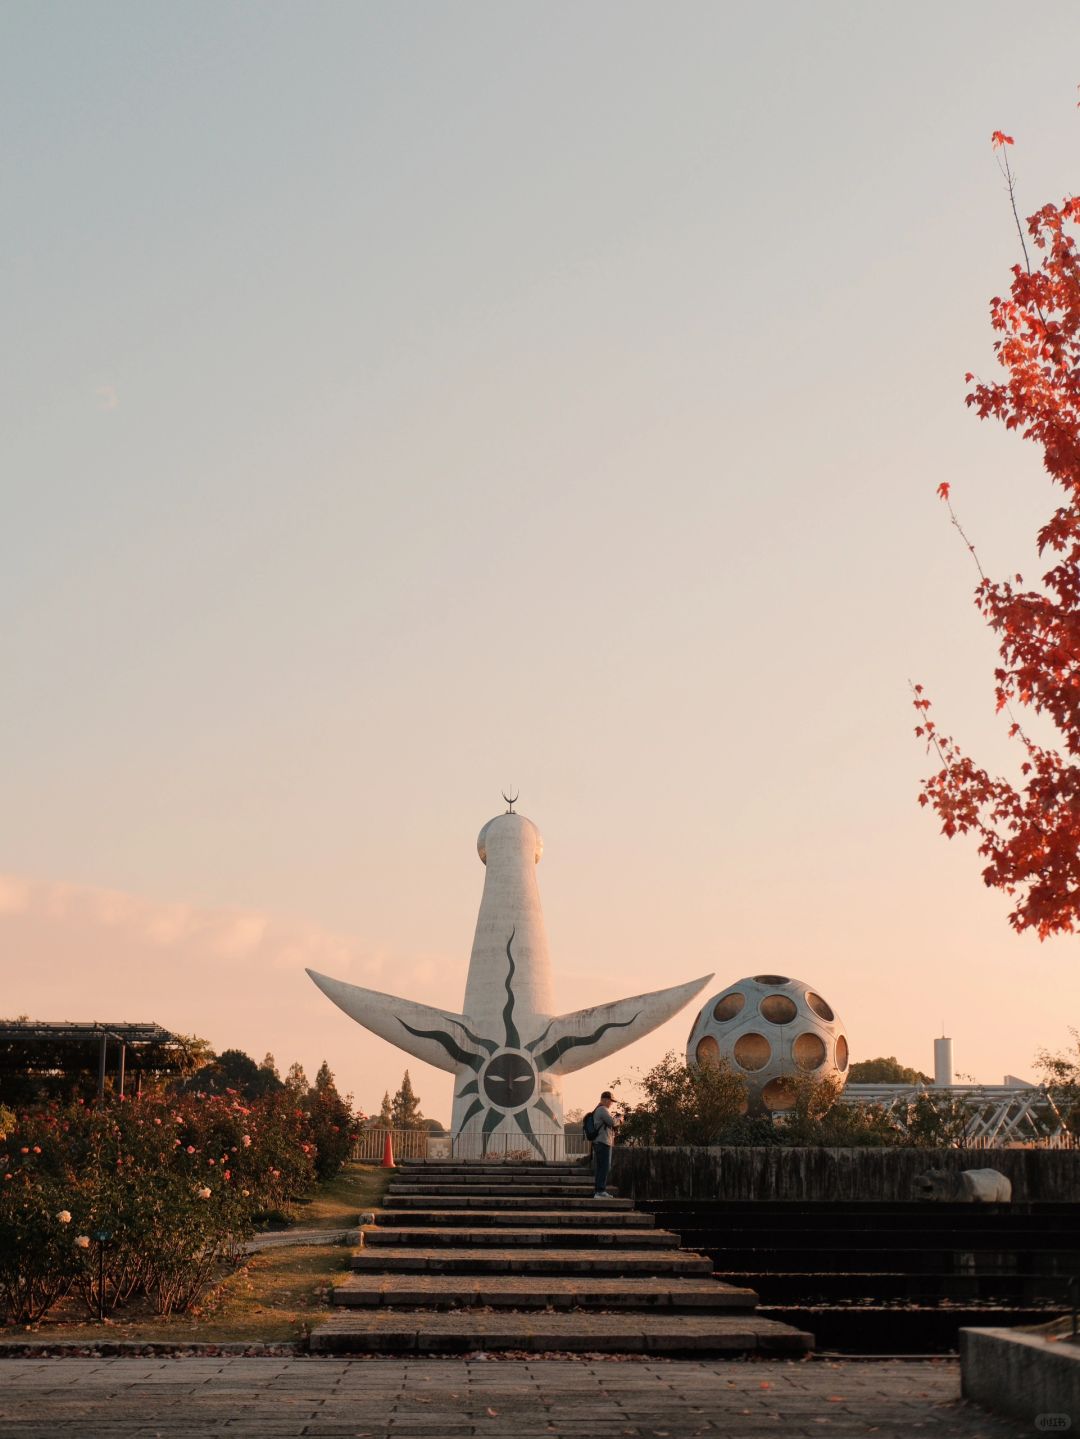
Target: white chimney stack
{"points": [[943, 1070]]}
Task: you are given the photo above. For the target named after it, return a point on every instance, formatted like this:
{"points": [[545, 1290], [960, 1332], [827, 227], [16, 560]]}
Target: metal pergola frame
{"points": [[1001, 1114], [169, 1049]]}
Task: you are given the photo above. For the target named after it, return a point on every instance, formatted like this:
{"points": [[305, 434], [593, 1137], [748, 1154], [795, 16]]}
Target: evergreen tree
{"points": [[267, 1080], [405, 1108], [332, 1123], [233, 1069], [296, 1080], [237, 1070], [386, 1113]]}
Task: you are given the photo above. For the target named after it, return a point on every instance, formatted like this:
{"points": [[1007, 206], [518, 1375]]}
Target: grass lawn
{"points": [[277, 1296], [336, 1204]]}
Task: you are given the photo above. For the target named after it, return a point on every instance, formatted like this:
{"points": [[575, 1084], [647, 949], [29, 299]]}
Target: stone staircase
{"points": [[517, 1256], [890, 1277]]}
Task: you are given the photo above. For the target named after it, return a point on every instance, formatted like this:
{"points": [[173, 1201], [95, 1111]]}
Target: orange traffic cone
{"points": [[388, 1152]]}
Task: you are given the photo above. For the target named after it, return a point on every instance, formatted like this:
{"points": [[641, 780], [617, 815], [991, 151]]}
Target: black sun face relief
{"points": [[509, 1079], [508, 1074]]}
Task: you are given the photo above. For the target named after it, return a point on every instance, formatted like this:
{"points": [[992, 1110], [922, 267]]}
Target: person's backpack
{"points": [[589, 1126]]}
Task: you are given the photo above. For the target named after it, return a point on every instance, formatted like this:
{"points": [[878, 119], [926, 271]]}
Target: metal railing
{"points": [[550, 1147], [369, 1144]]}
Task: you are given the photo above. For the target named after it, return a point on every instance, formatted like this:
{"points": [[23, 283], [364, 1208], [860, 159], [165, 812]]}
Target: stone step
{"points": [[521, 1199], [489, 1184], [388, 1259], [985, 1237], [379, 1331], [928, 1260], [907, 1329], [437, 1168], [537, 1291], [463, 1203], [898, 1286], [499, 1180], [506, 1236], [496, 1182], [604, 1216]]}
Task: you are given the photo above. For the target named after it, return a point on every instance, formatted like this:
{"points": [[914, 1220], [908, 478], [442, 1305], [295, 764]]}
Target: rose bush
{"points": [[164, 1188]]}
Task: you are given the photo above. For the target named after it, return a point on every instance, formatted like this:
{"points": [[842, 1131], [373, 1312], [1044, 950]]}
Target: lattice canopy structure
{"points": [[998, 1114], [57, 1057]]}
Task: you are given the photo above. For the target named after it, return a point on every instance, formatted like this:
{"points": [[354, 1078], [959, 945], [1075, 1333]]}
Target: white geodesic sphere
{"points": [[771, 1029]]}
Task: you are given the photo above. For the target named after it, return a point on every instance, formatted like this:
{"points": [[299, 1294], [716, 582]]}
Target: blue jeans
{"points": [[601, 1166]]}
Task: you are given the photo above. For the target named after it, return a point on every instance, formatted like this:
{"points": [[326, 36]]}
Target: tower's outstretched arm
{"points": [[572, 1041], [403, 1022]]}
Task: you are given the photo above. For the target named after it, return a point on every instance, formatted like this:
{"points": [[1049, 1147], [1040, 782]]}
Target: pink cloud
{"points": [[235, 976], [14, 894]]}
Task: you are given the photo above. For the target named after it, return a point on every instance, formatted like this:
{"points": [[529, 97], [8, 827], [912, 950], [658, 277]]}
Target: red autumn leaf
{"points": [[1028, 828], [943, 490]]}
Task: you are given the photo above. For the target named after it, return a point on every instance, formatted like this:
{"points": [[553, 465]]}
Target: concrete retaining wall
{"points": [[716, 1172], [1024, 1375]]}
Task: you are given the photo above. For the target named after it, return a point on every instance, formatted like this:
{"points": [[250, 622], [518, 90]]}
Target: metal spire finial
{"points": [[511, 799]]}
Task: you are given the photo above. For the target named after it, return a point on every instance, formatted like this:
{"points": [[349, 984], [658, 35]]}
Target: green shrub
{"points": [[748, 1131], [38, 1261], [703, 1104], [683, 1103], [159, 1193]]}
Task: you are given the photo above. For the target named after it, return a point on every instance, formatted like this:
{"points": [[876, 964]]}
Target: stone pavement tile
{"points": [[540, 1399]]}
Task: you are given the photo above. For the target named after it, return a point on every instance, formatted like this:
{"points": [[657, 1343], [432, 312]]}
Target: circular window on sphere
{"points": [[778, 1009], [771, 979], [708, 1051], [809, 1051], [728, 1007], [818, 1005], [778, 1094], [841, 1054], [752, 1051]]}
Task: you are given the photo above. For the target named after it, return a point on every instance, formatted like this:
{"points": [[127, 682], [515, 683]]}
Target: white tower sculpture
{"points": [[508, 1049]]}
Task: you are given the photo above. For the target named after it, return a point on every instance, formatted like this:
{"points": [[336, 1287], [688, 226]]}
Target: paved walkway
{"points": [[508, 1399]]}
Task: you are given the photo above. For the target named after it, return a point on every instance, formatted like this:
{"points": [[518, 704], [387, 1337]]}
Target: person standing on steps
{"points": [[603, 1140]]}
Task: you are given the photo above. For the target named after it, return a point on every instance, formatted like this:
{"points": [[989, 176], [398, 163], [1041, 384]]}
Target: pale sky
{"points": [[401, 402]]}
